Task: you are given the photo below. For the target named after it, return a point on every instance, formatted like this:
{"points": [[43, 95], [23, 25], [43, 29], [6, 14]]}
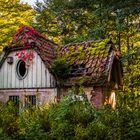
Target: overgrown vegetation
{"points": [[61, 68], [13, 14], [73, 118]]}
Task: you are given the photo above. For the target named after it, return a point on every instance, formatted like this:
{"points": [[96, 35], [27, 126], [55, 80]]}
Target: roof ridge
{"points": [[77, 43], [30, 33]]}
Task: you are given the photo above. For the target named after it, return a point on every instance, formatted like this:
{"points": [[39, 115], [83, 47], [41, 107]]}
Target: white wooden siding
{"points": [[38, 75]]}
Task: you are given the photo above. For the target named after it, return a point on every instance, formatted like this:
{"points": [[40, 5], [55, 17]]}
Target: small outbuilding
{"points": [[98, 67], [26, 70]]}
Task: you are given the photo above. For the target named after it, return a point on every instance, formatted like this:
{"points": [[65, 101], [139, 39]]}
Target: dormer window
{"points": [[21, 69], [78, 69]]}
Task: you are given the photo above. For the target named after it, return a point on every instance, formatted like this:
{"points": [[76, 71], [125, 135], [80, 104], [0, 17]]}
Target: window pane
{"points": [[14, 99], [15, 102], [30, 101]]}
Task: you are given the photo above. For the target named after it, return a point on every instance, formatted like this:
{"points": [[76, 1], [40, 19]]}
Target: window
{"points": [[15, 101], [30, 101], [78, 69], [21, 69]]}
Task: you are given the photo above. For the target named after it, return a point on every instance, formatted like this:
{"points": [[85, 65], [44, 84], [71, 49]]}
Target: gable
{"points": [[27, 37], [116, 74], [38, 76]]}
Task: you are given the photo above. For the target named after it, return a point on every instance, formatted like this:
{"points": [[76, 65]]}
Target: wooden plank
{"points": [[9, 80], [5, 74], [21, 83], [11, 76], [13, 72], [29, 77], [16, 76], [1, 78], [45, 77], [25, 80], [43, 82], [34, 70], [37, 76], [48, 78], [52, 80], [38, 73]]}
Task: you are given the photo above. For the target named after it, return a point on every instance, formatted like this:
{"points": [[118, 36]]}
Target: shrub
{"points": [[30, 124], [61, 68], [73, 118], [8, 121], [68, 116]]}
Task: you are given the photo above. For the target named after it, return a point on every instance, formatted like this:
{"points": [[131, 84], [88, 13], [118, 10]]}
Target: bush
{"points": [[8, 121], [67, 117], [61, 68], [31, 125], [73, 118]]}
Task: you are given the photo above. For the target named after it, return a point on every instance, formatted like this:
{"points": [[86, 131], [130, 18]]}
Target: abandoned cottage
{"points": [[26, 72]]}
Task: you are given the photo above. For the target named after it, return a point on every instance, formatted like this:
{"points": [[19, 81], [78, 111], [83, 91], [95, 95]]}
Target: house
{"points": [[26, 69]]}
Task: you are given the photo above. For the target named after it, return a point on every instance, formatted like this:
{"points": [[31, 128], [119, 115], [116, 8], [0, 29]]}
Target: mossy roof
{"points": [[94, 59]]}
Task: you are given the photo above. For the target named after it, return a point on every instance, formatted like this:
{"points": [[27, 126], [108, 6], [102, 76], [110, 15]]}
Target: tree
{"points": [[65, 24], [13, 14], [91, 19]]}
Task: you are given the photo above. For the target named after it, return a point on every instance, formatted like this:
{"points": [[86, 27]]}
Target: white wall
{"points": [[38, 76]]}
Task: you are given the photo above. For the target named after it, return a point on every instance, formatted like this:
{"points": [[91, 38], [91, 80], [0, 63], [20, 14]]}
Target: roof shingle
{"points": [[27, 37], [93, 59]]}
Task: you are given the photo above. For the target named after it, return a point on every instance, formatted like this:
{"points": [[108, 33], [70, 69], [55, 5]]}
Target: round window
{"points": [[21, 69]]}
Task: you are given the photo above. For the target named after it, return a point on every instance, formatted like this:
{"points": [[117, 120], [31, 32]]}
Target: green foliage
{"points": [[71, 114], [8, 120], [12, 15], [64, 23], [61, 68], [73, 118], [74, 21], [4, 137], [30, 125]]}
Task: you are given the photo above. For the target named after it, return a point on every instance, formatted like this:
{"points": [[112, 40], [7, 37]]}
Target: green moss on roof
{"points": [[93, 55]]}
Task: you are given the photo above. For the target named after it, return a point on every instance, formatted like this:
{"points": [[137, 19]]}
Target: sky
{"points": [[30, 2]]}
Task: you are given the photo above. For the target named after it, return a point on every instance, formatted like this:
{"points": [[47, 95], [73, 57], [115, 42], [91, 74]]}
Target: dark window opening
{"points": [[21, 69], [78, 69], [30, 101], [14, 100], [116, 72]]}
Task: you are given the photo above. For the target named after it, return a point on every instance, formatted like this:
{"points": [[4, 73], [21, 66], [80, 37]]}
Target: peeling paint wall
{"points": [[42, 95], [97, 97], [94, 94]]}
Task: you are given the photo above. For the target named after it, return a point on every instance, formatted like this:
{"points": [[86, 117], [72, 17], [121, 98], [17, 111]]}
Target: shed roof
{"points": [[92, 60]]}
